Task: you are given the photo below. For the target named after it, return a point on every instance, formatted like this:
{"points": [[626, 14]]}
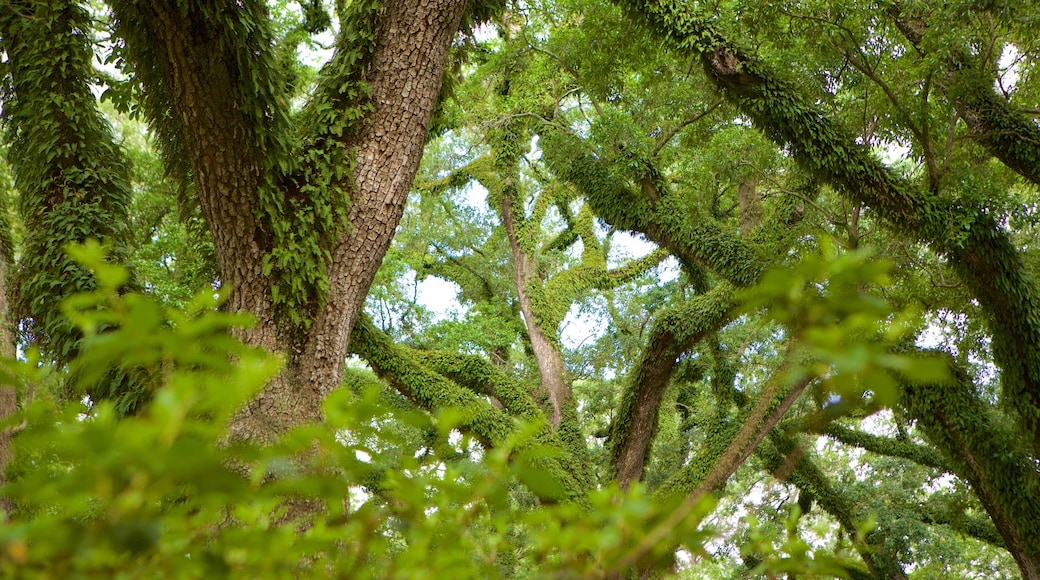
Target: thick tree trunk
{"points": [[411, 51], [983, 453], [228, 173]]}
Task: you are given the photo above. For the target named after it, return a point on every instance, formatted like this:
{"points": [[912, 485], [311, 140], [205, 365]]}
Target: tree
{"points": [[300, 206], [774, 153]]}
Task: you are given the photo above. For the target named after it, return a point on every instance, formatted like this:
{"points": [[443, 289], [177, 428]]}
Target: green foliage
{"points": [[794, 555], [847, 333], [859, 177]]}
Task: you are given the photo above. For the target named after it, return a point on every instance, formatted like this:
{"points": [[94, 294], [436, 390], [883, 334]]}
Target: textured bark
{"points": [[411, 50], [224, 167], [227, 177], [633, 444]]}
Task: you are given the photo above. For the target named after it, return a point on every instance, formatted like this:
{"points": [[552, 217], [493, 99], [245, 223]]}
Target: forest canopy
{"points": [[379, 288]]}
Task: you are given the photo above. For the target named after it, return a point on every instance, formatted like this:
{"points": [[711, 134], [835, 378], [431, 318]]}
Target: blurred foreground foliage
{"points": [[164, 492]]}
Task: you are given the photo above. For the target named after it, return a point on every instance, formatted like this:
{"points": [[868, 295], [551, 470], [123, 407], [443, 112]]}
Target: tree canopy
{"points": [[726, 289]]}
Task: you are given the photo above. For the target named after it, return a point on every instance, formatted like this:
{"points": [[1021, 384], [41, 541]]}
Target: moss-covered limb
{"points": [[667, 221], [480, 169], [674, 332], [569, 235], [978, 249], [480, 376], [615, 277], [561, 290], [562, 241], [888, 446], [778, 109], [73, 180], [432, 391], [426, 389], [540, 305], [1003, 130], [975, 526], [534, 303], [984, 452], [727, 449], [787, 461]]}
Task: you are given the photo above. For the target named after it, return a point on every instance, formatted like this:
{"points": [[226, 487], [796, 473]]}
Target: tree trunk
{"points": [[411, 51], [750, 206]]}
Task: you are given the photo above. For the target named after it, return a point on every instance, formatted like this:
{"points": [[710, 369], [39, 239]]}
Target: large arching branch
{"points": [[982, 253]]}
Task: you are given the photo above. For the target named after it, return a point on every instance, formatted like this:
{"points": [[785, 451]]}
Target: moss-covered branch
{"points": [[480, 376], [887, 446], [674, 332], [432, 391], [728, 448], [984, 452], [975, 526], [665, 219]]}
